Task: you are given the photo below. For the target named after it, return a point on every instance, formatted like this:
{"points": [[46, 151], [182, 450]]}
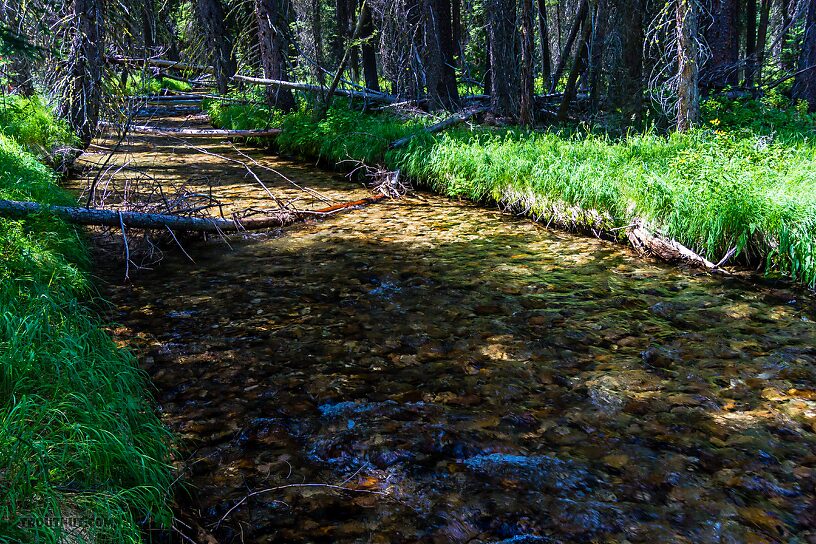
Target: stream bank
{"points": [[444, 373]]}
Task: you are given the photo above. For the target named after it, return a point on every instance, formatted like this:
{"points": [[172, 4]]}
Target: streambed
{"points": [[466, 376]]}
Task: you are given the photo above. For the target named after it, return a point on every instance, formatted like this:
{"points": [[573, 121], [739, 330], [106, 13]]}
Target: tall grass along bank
{"points": [[745, 183], [83, 456]]}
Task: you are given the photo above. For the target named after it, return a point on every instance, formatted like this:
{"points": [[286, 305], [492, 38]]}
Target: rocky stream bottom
{"points": [[430, 371]]}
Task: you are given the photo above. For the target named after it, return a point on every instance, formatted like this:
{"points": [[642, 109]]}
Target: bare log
{"points": [[368, 94], [199, 133], [113, 218], [644, 241], [460, 117], [161, 64]]}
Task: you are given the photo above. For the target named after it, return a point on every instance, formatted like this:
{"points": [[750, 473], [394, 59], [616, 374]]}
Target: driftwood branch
{"points": [[453, 120], [199, 133], [120, 219]]}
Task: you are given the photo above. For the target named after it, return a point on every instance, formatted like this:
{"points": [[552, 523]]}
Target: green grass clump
{"points": [[32, 124], [140, 84], [82, 452], [747, 180]]}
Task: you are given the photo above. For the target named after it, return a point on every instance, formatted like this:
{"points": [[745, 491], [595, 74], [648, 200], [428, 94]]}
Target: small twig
{"points": [[181, 247], [127, 249], [288, 486]]}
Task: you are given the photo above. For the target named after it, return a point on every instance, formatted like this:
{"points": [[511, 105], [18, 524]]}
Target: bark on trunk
{"points": [[544, 33], [526, 114], [504, 64], [688, 90], [219, 42], [804, 86], [583, 10], [597, 47], [368, 51], [577, 68], [722, 37], [750, 41], [446, 89], [272, 43], [83, 93], [626, 86], [762, 38]]}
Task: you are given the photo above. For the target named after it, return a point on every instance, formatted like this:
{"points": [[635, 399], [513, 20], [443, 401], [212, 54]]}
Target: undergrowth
{"points": [[746, 180], [83, 457]]}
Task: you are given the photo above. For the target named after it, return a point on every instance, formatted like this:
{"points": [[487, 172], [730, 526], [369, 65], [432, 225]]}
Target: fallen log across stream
{"points": [[198, 133], [12, 209]]}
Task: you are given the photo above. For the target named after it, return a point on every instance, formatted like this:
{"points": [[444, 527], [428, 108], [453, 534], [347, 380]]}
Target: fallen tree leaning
{"points": [[460, 117], [139, 220]]}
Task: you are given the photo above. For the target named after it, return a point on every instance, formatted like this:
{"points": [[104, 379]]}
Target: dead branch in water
{"points": [[110, 218]]}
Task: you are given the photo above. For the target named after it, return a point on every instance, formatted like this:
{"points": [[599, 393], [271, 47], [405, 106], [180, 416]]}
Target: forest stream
{"points": [[425, 370]]}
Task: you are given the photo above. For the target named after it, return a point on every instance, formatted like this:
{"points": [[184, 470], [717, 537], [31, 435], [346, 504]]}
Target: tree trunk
{"points": [[750, 41], [456, 28], [219, 43], [446, 90], [149, 25], [722, 37], [626, 83], [272, 43], [526, 114], [83, 93], [580, 16], [785, 7], [804, 86], [762, 38], [504, 66], [578, 67], [598, 45], [369, 51], [688, 90], [544, 32]]}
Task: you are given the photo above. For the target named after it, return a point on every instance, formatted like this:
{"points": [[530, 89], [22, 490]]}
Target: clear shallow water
{"points": [[473, 378]]}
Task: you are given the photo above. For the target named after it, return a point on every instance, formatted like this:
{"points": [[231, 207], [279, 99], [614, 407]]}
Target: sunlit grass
{"points": [[745, 180], [78, 435]]}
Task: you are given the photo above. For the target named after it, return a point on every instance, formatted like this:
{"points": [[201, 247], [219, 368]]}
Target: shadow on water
{"points": [[470, 378]]}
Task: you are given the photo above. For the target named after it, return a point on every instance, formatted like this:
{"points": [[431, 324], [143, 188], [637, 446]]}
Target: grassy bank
{"points": [[747, 180], [81, 450]]}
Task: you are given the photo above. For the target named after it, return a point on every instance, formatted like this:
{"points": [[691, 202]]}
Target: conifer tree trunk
{"points": [[272, 44], [544, 33], [688, 90], [804, 86], [446, 90], [504, 92], [750, 41], [722, 37], [368, 50], [219, 42], [526, 114], [762, 38], [82, 94]]}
